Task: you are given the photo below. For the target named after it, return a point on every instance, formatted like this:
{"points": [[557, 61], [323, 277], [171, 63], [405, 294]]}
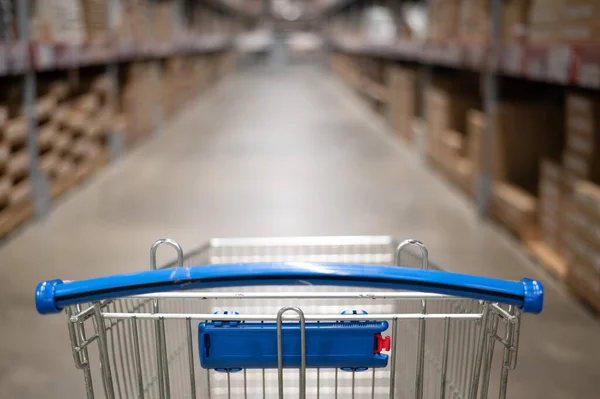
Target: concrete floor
{"points": [[288, 152]]}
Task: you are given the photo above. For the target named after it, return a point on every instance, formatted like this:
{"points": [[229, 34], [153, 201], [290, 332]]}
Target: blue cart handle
{"points": [[51, 296]]}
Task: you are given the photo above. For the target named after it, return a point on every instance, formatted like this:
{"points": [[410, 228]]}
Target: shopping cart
{"points": [[296, 300]]}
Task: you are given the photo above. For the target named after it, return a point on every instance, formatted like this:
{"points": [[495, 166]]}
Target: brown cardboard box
{"points": [[582, 221], [476, 126], [586, 197], [447, 106], [577, 164], [550, 170], [453, 143], [545, 12], [581, 105], [584, 268], [95, 17], [571, 180], [584, 230], [581, 143], [443, 19], [163, 21], [514, 19], [515, 208], [62, 20], [582, 124], [581, 10], [550, 191], [580, 32], [402, 99], [584, 281], [548, 232], [474, 20], [460, 172], [545, 20], [523, 133], [581, 166]]}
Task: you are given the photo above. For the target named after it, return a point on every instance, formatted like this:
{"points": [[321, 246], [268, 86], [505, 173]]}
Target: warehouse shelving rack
{"points": [[561, 69], [24, 58], [563, 64]]}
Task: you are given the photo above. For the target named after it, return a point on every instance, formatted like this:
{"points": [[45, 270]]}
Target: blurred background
{"points": [[472, 125]]}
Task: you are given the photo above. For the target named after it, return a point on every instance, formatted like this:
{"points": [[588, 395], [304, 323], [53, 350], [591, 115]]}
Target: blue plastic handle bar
{"points": [[54, 295]]}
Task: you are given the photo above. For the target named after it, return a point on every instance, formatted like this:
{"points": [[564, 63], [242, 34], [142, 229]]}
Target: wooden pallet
{"points": [[61, 186], [552, 261], [87, 169], [14, 216]]}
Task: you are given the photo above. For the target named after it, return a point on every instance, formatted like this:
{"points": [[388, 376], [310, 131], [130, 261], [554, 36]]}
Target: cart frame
{"points": [[146, 347]]}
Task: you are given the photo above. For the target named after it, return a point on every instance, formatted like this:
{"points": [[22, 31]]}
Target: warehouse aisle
{"points": [[288, 152]]}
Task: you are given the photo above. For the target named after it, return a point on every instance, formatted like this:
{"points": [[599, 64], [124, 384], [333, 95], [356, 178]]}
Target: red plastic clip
{"points": [[382, 343]]}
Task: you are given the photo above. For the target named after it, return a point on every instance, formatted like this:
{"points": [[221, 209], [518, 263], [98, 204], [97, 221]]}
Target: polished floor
{"points": [[270, 153]]}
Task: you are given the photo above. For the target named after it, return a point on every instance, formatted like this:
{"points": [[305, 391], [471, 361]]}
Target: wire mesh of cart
{"points": [[317, 317]]}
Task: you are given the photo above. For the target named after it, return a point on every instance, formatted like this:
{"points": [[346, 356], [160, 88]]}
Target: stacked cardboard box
{"points": [[523, 133], [476, 125], [164, 19], [551, 197], [544, 20], [474, 20], [558, 179], [583, 242], [184, 77], [443, 19], [447, 104], [579, 158], [448, 146], [574, 21], [95, 17], [140, 100], [402, 97], [580, 21], [514, 19], [133, 22], [59, 20], [74, 138], [470, 19], [515, 208]]}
